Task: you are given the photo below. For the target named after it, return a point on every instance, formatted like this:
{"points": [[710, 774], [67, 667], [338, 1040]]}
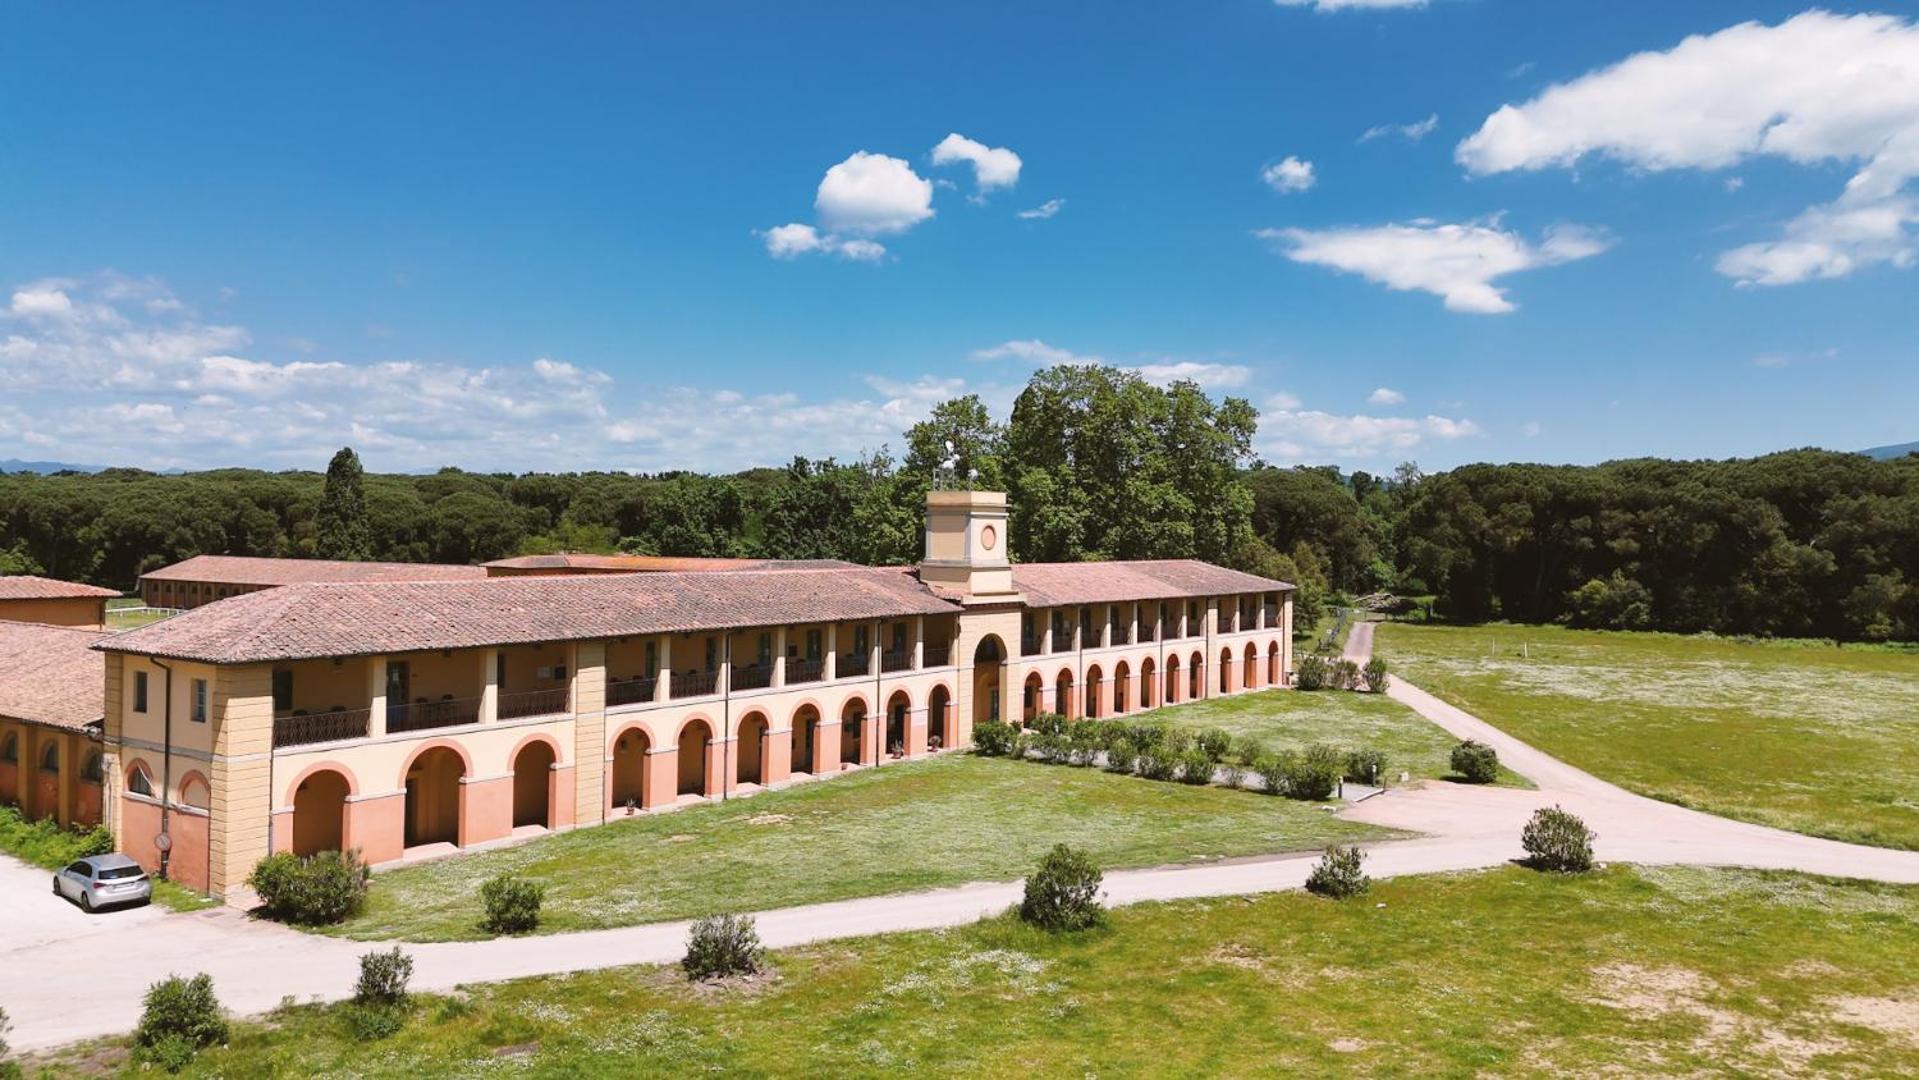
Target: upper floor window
{"points": [[813, 644], [860, 641], [199, 713], [140, 691], [652, 659], [899, 637], [765, 650], [10, 748], [283, 691]]}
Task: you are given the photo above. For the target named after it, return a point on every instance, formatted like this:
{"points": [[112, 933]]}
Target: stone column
{"points": [[832, 669], [663, 686], [588, 773], [779, 656], [376, 696], [489, 686]]}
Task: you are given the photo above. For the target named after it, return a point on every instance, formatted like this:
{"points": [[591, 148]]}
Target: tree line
{"points": [[1098, 464]]}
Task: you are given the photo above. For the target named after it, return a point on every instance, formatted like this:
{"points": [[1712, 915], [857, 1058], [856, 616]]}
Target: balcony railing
{"points": [[1147, 633], [1272, 615], [1122, 635], [938, 655], [1029, 646], [632, 691], [300, 730], [420, 715], [896, 660], [853, 665], [695, 683], [805, 671], [752, 677], [532, 703]]}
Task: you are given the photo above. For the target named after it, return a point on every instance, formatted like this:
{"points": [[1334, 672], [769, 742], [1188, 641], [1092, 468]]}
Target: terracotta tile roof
{"points": [[650, 563], [320, 620], [1063, 584], [28, 587], [249, 570], [51, 675]]}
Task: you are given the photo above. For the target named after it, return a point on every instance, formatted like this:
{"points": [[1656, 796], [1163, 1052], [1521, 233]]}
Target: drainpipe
{"points": [[879, 749], [166, 766], [726, 716]]}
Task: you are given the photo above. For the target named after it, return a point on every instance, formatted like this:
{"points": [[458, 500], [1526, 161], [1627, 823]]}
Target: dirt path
{"points": [[89, 983]]}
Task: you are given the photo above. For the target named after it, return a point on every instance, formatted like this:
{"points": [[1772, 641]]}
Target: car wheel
{"points": [[56, 888], [86, 902]]}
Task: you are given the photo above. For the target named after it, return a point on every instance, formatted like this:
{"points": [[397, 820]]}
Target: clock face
{"points": [[988, 537]]}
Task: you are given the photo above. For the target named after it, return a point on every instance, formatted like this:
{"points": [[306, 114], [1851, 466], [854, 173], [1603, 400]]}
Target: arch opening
{"points": [[751, 766], [533, 785], [695, 744], [433, 797], [319, 813], [629, 769], [939, 733]]}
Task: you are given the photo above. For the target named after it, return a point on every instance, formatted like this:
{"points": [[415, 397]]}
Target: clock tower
{"points": [[966, 546]]}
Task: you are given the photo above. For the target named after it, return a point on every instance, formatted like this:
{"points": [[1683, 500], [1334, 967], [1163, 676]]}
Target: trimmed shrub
{"points": [[1147, 736], [383, 977], [1086, 741], [722, 945], [512, 904], [1311, 673], [1121, 757], [1196, 767], [1475, 762], [1214, 743], [1063, 894], [1558, 840], [1314, 776], [1176, 741], [1343, 675], [323, 888], [1047, 723], [994, 738], [1050, 746], [1374, 675], [1365, 767], [1158, 763], [1246, 750], [1338, 874], [1276, 770], [183, 1012]]}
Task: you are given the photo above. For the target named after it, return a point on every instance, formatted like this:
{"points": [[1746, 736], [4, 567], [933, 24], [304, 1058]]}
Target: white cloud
{"points": [[993, 166], [41, 301], [1412, 132], [1459, 263], [1530, 429], [1310, 435], [1817, 88], [1351, 5], [1044, 210], [1283, 401], [1289, 176], [873, 195], [1033, 351], [795, 240], [1208, 376], [1386, 396]]}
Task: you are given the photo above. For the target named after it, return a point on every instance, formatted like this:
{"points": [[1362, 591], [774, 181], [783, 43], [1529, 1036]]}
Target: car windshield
{"points": [[115, 873]]}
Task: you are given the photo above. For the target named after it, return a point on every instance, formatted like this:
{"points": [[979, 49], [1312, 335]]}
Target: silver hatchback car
{"points": [[99, 881]]}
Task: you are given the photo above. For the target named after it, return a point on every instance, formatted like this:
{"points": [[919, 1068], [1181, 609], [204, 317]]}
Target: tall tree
{"points": [[343, 531]]}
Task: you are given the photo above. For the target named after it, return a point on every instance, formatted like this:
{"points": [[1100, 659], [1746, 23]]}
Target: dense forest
{"points": [[1099, 464]]}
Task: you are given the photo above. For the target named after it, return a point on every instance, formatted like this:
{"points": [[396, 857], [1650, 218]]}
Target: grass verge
{"points": [[919, 825], [1508, 972], [1806, 736]]}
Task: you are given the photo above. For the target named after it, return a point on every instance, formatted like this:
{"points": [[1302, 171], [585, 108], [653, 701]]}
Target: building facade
{"points": [[28, 599], [417, 716], [52, 759]]}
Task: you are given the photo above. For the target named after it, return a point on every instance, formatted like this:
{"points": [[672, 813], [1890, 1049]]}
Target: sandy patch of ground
{"points": [[1897, 1017]]}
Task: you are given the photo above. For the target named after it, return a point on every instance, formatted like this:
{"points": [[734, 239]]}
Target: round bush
{"points": [[183, 1010], [1475, 762], [383, 977], [314, 891], [1121, 757], [1312, 779], [1275, 770], [1344, 675], [995, 738], [1557, 840], [512, 904], [1215, 743], [1196, 767], [1063, 894], [1158, 763], [1374, 676], [1365, 767], [1338, 874], [719, 946], [1311, 674]]}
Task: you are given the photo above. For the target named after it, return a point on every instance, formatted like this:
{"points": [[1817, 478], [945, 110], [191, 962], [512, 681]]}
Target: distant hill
{"points": [[16, 465], [1884, 452]]}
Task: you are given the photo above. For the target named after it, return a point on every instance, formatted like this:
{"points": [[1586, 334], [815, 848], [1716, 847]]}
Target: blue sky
{"points": [[501, 238]]}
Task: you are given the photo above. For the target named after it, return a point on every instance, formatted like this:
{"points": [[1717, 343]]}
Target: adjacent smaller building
{"points": [[206, 578], [52, 694], [29, 599]]}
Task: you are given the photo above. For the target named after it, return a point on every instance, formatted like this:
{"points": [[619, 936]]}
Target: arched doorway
{"points": [[751, 768], [1095, 690], [1225, 671], [629, 769], [989, 662], [533, 784], [1122, 689], [1196, 677], [1274, 676], [939, 734], [1034, 693], [852, 731], [1063, 694], [433, 797], [899, 723], [1148, 683], [695, 743], [319, 813], [806, 734], [1172, 680], [1249, 671]]}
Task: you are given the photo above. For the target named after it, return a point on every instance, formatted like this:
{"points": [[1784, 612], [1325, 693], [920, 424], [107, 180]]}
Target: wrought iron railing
{"points": [[937, 655], [896, 660], [805, 671], [695, 683], [632, 691], [1029, 646], [532, 703], [320, 727], [853, 665], [421, 715], [752, 677]]}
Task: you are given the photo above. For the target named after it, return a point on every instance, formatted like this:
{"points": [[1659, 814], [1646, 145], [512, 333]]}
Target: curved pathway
{"points": [[88, 981]]}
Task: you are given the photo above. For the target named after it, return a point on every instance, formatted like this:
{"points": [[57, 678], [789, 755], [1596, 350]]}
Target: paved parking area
{"points": [[30, 914]]}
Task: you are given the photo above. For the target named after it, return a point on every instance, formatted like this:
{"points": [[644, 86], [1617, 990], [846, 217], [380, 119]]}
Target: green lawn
{"points": [[1816, 738], [128, 613], [919, 825], [1508, 972], [1283, 719]]}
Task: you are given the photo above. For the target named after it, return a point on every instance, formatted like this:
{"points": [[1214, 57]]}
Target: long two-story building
{"points": [[412, 716]]}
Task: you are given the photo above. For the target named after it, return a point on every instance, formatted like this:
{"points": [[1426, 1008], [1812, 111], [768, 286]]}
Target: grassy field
{"points": [[1508, 972], [1815, 738], [1292, 719], [130, 612], [919, 825]]}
